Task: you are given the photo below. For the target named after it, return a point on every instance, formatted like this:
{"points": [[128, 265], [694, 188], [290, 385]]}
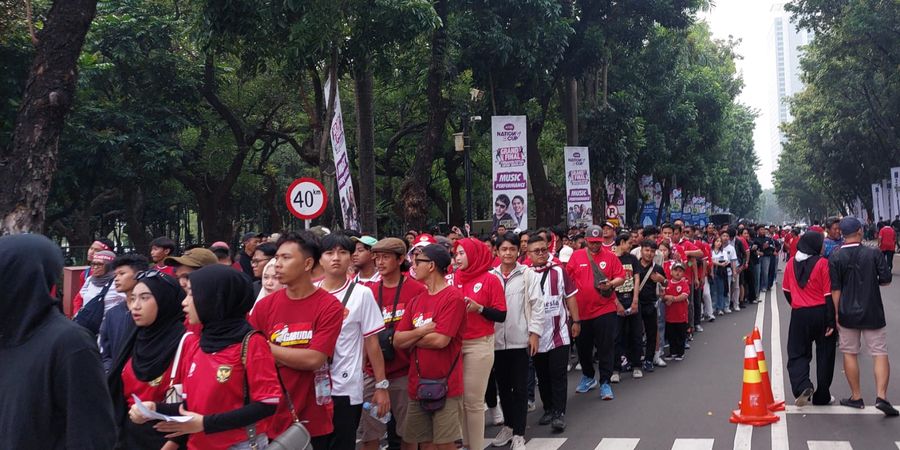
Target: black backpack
{"points": [[90, 315]]}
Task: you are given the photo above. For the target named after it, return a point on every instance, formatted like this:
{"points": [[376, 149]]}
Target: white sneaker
{"points": [[658, 362], [698, 328], [727, 310], [503, 437], [497, 415], [531, 406], [518, 443], [637, 374], [615, 378], [736, 308]]}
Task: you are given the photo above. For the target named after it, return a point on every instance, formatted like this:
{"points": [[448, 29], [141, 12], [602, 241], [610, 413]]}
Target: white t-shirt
{"points": [[730, 253], [376, 277], [362, 318]]}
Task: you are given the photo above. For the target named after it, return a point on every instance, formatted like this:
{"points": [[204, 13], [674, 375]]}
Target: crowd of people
{"points": [[416, 341]]}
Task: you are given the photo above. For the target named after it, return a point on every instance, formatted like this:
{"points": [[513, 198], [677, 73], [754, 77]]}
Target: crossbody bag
{"points": [[386, 336], [432, 392]]}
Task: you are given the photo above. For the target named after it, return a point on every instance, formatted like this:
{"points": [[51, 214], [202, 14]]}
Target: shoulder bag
{"points": [[599, 278], [386, 336], [91, 314], [174, 391], [432, 392]]}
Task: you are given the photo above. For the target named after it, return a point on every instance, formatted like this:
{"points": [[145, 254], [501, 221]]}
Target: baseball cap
{"points": [[247, 236], [678, 264], [593, 233], [423, 240], [850, 225], [195, 257], [390, 245], [368, 241], [438, 254], [566, 253], [609, 224]]}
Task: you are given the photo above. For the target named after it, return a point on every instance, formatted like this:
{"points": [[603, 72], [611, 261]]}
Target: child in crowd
{"points": [[676, 297]]}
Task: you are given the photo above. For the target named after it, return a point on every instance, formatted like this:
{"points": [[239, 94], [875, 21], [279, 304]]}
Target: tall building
{"points": [[788, 41]]}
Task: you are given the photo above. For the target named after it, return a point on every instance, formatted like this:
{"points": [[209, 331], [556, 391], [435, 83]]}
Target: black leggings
{"points": [[511, 373], [807, 327]]}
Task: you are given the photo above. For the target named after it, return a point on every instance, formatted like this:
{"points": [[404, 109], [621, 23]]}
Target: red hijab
{"points": [[479, 256]]}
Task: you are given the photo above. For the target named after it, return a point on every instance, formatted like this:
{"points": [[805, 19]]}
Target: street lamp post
{"points": [[462, 144]]}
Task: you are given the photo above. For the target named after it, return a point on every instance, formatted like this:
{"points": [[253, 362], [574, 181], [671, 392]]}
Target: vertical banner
{"points": [[876, 202], [510, 172], [615, 202], [887, 207], [349, 212], [895, 191], [579, 209], [649, 201], [675, 204]]}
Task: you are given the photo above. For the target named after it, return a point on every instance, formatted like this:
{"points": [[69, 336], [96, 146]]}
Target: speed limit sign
{"points": [[306, 198]]}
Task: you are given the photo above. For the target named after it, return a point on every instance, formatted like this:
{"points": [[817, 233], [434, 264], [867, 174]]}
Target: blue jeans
{"points": [[718, 292], [764, 263]]}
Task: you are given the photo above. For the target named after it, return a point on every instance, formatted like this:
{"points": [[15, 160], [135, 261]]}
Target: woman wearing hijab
{"points": [[55, 397], [269, 283], [212, 373], [485, 305], [146, 366], [807, 287]]}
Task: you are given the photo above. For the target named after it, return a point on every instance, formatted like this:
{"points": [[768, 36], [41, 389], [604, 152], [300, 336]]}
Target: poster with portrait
{"points": [[675, 204], [510, 172], [579, 211], [649, 204], [349, 212], [615, 202]]}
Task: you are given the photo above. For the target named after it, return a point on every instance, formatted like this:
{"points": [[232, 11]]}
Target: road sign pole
{"points": [[307, 221]]}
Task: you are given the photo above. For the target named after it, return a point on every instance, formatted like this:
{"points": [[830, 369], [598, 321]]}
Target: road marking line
{"points": [[760, 315], [829, 445], [776, 376], [831, 409], [743, 436], [617, 444], [545, 443], [898, 444], [693, 444]]}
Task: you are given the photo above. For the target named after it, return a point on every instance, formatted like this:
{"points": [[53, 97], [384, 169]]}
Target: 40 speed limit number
{"points": [[306, 198]]}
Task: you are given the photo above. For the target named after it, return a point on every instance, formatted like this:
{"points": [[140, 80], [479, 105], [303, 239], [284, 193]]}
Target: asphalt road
{"points": [[687, 404]]}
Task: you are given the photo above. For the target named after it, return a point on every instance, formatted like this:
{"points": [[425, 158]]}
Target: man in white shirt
{"points": [[731, 255], [364, 260], [359, 330]]}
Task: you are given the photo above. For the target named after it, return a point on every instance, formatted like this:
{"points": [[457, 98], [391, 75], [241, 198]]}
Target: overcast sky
{"points": [[751, 21]]}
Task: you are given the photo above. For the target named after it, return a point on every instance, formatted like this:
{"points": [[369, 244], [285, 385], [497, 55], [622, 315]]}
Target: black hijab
{"points": [[222, 297], [30, 265], [155, 345], [810, 244]]}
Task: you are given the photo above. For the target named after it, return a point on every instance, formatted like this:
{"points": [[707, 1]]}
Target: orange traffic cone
{"points": [[764, 373], [753, 407]]}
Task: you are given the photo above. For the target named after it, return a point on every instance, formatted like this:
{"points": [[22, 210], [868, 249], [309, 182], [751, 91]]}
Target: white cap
{"points": [[565, 253]]}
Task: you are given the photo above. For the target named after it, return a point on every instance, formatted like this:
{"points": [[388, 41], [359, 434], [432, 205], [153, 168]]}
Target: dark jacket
{"points": [[51, 384], [114, 331]]}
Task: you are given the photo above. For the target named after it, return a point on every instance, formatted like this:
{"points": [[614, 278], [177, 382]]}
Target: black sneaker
{"points": [[546, 418], [559, 423], [648, 366], [886, 407], [858, 403]]}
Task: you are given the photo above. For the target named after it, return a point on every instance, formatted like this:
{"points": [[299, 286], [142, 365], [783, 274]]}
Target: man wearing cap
{"points": [[190, 261], [393, 293], [363, 261], [432, 330], [249, 240], [856, 272], [609, 235], [597, 307]]}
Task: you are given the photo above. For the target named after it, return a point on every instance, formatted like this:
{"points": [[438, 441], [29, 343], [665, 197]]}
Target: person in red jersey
{"points": [[485, 305], [598, 309], [676, 297], [432, 329], [807, 287], [394, 292], [887, 243], [302, 323], [160, 249], [213, 373], [147, 365]]}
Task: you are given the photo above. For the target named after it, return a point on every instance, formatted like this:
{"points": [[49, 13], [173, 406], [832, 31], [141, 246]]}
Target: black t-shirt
{"points": [[625, 292], [648, 292], [857, 271]]}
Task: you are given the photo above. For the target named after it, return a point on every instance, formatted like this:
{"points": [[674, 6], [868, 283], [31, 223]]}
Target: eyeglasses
{"points": [[256, 262], [153, 273], [420, 260], [540, 251], [98, 264]]}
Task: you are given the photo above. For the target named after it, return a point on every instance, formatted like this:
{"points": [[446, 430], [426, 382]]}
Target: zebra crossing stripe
{"points": [[829, 445], [693, 444], [617, 444], [545, 443], [831, 409]]}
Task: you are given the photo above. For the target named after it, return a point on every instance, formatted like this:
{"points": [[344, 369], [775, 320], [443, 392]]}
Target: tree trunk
{"points": [[364, 81], [569, 105], [452, 163], [272, 205], [413, 193], [27, 167], [548, 199], [134, 223]]}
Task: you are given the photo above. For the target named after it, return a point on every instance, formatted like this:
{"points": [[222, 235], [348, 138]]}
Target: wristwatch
{"points": [[383, 384]]}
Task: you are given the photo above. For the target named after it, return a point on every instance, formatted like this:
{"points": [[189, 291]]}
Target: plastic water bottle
{"points": [[323, 385], [373, 411]]}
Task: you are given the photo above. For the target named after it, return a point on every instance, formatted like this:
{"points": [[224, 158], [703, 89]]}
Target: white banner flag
{"points": [[887, 207], [579, 210], [510, 172], [895, 192], [876, 202], [341, 163], [615, 202]]}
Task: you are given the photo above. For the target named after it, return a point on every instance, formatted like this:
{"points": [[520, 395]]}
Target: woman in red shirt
{"points": [[212, 370], [485, 304], [145, 365]]}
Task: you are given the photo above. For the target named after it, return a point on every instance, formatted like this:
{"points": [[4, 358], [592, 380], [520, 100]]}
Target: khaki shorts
{"points": [[850, 340], [370, 429], [440, 427]]}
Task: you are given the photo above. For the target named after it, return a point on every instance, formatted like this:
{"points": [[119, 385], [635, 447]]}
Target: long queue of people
{"points": [[357, 338]]}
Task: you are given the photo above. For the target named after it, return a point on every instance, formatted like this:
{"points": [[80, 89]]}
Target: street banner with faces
{"points": [[579, 211], [509, 150]]}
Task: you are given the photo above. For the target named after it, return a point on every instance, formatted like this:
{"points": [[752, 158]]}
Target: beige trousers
{"points": [[477, 360]]}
